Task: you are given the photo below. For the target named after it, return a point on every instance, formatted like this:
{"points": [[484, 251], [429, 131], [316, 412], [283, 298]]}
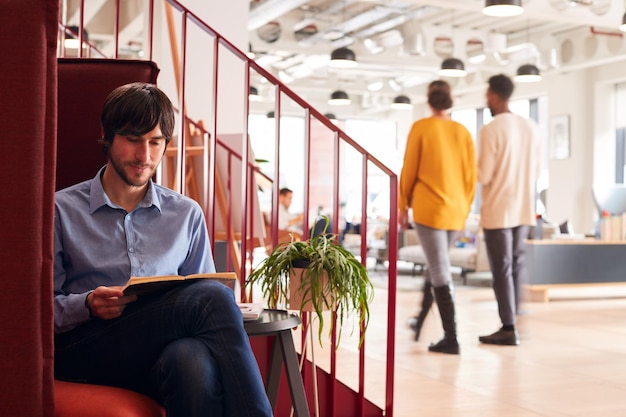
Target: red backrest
{"points": [[84, 84]]}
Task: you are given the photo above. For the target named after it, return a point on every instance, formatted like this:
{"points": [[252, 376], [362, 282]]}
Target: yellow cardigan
{"points": [[438, 178]]}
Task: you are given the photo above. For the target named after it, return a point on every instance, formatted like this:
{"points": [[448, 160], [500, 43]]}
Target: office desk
{"points": [[278, 323], [552, 262]]}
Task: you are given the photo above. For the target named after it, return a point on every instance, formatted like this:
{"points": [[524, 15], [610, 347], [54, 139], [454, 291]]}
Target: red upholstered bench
{"points": [[86, 400]]}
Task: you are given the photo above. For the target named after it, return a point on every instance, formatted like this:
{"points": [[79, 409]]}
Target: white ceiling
{"points": [[399, 44]]}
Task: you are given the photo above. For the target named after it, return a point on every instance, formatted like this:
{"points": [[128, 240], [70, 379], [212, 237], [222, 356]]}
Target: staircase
{"points": [[219, 171]]}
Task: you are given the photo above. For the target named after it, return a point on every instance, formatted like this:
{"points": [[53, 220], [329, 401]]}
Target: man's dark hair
{"points": [[502, 86], [136, 109], [439, 97], [285, 191]]}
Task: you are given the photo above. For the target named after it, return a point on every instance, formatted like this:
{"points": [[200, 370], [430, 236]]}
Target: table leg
{"points": [[294, 378], [273, 376]]}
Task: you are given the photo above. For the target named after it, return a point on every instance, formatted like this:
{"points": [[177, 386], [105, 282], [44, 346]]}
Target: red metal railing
{"points": [[231, 207]]}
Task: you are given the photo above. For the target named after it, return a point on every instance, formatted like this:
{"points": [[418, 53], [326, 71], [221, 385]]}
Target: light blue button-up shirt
{"points": [[98, 243]]}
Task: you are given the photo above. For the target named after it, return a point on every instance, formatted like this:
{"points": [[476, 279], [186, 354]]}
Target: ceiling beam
{"points": [[270, 10]]}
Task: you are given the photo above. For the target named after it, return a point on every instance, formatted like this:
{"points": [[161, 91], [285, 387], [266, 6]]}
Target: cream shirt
{"points": [[509, 163]]}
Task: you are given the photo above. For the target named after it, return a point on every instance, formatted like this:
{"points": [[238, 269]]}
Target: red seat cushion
{"points": [[86, 400]]}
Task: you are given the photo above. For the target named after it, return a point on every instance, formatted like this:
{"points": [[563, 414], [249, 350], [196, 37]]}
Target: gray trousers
{"points": [[506, 249], [436, 244]]}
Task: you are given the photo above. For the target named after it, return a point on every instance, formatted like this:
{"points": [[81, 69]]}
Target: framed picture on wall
{"points": [[559, 137]]}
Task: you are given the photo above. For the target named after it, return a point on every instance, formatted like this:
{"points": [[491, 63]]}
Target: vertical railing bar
{"points": [[249, 251], [363, 258], [150, 28], [336, 179], [245, 143], [81, 28], [392, 274], [212, 157], [333, 353], [116, 29], [276, 184], [182, 146], [63, 24], [364, 210], [307, 172], [229, 214], [308, 321]]}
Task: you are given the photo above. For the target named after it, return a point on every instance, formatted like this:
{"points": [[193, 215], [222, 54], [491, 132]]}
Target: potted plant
{"points": [[319, 272]]}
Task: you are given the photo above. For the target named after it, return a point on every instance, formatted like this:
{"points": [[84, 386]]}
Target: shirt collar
{"points": [[98, 198]]}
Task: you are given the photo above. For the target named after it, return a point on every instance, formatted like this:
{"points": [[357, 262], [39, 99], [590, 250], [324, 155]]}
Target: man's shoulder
{"points": [[167, 196], [510, 117], [73, 191]]}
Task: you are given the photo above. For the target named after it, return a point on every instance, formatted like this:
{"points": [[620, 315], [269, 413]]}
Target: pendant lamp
{"points": [[339, 98], [254, 94], [331, 117], [452, 67], [528, 73], [503, 8], [343, 58], [401, 102]]}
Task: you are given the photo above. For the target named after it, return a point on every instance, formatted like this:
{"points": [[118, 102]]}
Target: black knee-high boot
{"points": [[445, 303], [427, 302]]}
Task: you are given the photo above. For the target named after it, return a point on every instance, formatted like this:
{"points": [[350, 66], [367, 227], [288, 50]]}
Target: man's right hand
{"points": [[108, 302]]}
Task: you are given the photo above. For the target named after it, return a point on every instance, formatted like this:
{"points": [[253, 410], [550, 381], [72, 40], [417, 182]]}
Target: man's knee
{"points": [[188, 362], [210, 291]]}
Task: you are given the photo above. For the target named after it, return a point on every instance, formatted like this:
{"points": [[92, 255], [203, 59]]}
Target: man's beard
{"points": [[119, 168]]}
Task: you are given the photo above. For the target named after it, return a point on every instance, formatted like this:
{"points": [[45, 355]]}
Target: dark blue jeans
{"points": [[186, 348]]}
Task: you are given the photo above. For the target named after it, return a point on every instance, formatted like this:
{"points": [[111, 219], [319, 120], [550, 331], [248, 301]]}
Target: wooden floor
{"points": [[571, 360]]}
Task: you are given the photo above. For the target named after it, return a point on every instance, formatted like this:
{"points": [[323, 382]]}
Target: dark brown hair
{"points": [[502, 86], [136, 109], [439, 97]]}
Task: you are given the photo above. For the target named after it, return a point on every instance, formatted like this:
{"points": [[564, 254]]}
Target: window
{"points": [[376, 136]]}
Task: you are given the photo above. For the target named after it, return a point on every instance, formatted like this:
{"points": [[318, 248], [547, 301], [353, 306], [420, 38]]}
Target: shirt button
{"points": [[131, 250]]}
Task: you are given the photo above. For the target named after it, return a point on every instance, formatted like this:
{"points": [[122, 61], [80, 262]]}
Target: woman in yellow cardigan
{"points": [[437, 183]]}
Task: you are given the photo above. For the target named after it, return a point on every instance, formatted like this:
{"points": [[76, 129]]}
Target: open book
{"points": [[144, 285]]}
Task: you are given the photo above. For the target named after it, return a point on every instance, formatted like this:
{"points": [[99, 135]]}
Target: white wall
{"points": [[569, 195]]}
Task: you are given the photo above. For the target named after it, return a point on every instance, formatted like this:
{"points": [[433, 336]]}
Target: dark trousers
{"points": [[187, 348], [506, 249]]}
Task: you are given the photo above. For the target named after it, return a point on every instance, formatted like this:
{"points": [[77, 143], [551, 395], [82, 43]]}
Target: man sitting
{"points": [[186, 347]]}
